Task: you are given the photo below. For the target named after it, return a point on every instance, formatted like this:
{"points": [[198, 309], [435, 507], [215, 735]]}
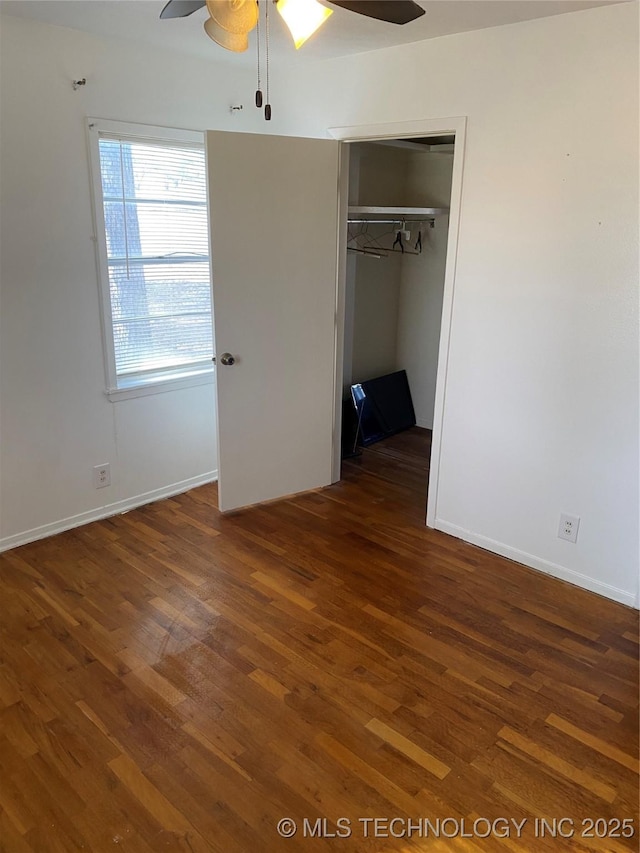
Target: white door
{"points": [[273, 205]]}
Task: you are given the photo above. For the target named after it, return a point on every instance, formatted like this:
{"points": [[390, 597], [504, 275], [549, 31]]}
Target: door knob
{"points": [[227, 359]]}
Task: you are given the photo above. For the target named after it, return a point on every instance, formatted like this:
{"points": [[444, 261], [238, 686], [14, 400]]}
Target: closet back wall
{"points": [[397, 300], [376, 176]]}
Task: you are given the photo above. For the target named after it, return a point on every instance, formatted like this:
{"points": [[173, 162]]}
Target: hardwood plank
{"points": [[552, 761], [408, 748], [174, 679], [149, 796], [596, 743]]}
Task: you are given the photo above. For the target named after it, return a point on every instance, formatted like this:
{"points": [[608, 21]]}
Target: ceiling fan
{"points": [[231, 21], [303, 17]]}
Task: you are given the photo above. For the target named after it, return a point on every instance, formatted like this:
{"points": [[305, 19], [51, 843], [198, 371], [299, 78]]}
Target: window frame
{"points": [[155, 381]]}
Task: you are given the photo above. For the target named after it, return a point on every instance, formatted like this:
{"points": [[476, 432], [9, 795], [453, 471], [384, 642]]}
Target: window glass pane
{"points": [[155, 230], [155, 213], [169, 342], [158, 289]]}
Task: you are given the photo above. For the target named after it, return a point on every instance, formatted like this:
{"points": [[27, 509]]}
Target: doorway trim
{"points": [[405, 130]]}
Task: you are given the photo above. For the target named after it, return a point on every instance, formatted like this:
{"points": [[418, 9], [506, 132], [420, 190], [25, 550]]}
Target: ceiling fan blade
{"points": [[181, 8], [392, 11]]}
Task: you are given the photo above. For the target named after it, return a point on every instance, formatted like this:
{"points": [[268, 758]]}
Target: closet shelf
{"points": [[374, 214]]}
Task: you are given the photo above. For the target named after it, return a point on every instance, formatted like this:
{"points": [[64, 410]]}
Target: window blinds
{"points": [[155, 213]]}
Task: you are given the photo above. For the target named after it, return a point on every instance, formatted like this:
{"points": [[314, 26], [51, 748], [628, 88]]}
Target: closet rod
{"points": [[391, 221]]}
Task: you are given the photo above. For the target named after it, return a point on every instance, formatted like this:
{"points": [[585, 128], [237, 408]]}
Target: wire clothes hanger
{"points": [[362, 241]]}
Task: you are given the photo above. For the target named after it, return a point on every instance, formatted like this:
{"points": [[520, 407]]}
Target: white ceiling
{"points": [[344, 32]]}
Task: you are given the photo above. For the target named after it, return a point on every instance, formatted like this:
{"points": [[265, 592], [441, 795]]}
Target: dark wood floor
{"points": [[402, 463], [171, 679]]}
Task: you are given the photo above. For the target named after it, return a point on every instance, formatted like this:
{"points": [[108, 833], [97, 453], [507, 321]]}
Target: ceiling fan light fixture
{"points": [[230, 22], [234, 16], [303, 17], [236, 42]]}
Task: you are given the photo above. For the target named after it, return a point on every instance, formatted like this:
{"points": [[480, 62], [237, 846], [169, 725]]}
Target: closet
{"points": [[399, 197]]}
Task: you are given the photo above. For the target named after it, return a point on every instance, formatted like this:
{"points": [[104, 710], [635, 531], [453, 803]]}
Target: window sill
{"points": [[143, 388]]}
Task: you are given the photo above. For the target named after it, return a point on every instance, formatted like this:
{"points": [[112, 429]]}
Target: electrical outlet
{"points": [[102, 475], [568, 528]]}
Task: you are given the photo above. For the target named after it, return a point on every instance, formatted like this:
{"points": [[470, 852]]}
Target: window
{"points": [[152, 235]]}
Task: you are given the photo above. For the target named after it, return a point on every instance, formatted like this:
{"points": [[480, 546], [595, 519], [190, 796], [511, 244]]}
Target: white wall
{"points": [[375, 316], [56, 422], [376, 177], [541, 408], [422, 283]]}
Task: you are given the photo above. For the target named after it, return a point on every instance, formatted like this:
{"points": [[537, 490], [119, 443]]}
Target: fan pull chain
{"points": [[259, 89], [267, 106]]}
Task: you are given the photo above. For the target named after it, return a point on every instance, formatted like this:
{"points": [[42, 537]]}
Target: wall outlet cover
{"points": [[568, 527], [102, 475]]}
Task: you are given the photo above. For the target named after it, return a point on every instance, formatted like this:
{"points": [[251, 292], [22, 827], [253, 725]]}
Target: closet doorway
{"points": [[401, 210]]}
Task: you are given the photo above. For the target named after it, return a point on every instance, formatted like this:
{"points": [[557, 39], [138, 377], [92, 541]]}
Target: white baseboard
{"points": [[105, 511], [576, 578], [424, 423], [631, 599]]}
